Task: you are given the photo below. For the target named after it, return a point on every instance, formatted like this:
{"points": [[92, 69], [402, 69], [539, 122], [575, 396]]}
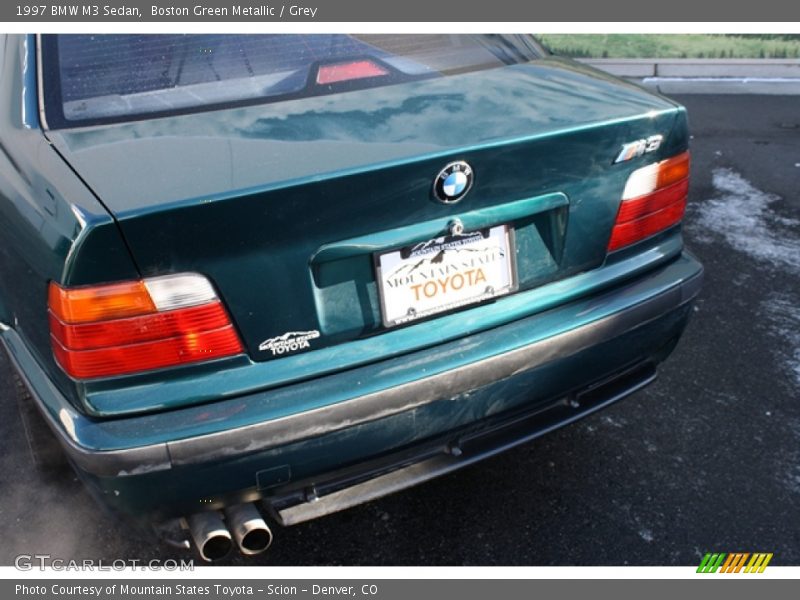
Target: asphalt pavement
{"points": [[705, 459]]}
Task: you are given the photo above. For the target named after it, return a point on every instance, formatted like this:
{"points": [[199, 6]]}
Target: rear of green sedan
{"points": [[278, 276]]}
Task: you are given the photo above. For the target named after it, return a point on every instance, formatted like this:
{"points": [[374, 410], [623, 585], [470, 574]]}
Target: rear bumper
{"points": [[306, 500], [386, 407]]}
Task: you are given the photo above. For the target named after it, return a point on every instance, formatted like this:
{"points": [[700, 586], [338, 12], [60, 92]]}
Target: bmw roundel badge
{"points": [[453, 182]]}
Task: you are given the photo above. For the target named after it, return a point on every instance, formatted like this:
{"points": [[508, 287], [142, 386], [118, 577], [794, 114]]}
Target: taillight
{"points": [[134, 326], [654, 199]]}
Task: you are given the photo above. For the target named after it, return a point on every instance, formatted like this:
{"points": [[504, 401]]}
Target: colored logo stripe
{"points": [[710, 563], [734, 562], [758, 563]]}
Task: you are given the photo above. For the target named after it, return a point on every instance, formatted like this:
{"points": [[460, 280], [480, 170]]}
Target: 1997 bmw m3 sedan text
{"points": [[262, 278]]}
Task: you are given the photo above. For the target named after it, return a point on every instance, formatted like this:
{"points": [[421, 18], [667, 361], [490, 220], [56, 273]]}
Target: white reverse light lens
{"points": [[641, 182], [179, 291]]}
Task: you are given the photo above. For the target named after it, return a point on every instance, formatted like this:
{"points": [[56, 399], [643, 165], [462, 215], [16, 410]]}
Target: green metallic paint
{"points": [[253, 197], [282, 206], [184, 490], [233, 377], [420, 232], [332, 385], [343, 281], [206, 157], [51, 226], [575, 119]]}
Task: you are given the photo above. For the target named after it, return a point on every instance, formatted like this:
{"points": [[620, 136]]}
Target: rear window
{"points": [[91, 79]]}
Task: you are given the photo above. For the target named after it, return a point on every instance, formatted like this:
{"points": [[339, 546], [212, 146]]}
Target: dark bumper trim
{"points": [[362, 409], [472, 447], [371, 407]]}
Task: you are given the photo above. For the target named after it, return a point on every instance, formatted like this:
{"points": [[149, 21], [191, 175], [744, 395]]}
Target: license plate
{"points": [[445, 273]]}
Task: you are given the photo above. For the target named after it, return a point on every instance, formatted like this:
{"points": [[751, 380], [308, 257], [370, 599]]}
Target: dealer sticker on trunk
{"points": [[445, 273], [291, 341]]}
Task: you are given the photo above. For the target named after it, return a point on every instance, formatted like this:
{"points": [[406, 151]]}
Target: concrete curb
{"points": [[698, 67], [780, 76]]}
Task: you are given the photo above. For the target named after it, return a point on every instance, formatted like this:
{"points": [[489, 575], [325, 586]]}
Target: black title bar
{"points": [[444, 11]]}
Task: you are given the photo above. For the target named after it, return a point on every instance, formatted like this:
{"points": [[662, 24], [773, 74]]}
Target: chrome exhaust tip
{"points": [[252, 534], [212, 538]]}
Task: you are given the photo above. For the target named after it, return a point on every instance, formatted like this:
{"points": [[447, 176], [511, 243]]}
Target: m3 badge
{"points": [[635, 149]]}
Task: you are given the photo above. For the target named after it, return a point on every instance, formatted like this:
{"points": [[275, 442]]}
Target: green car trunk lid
{"points": [[283, 206]]}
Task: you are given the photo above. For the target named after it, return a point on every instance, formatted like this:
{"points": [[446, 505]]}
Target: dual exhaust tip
{"points": [[243, 524]]}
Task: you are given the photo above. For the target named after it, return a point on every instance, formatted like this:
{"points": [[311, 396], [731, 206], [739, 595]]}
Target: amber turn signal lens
{"points": [[99, 303]]}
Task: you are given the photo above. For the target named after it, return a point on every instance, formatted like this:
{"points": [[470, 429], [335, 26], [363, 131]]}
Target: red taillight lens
{"points": [[134, 330], [133, 358], [654, 199], [124, 328]]}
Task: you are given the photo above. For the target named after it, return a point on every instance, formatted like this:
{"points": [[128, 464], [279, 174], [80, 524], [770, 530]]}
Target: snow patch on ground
{"points": [[782, 312], [741, 214], [792, 465]]}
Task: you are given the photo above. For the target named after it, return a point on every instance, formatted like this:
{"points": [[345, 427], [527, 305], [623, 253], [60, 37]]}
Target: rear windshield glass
{"points": [[91, 79]]}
